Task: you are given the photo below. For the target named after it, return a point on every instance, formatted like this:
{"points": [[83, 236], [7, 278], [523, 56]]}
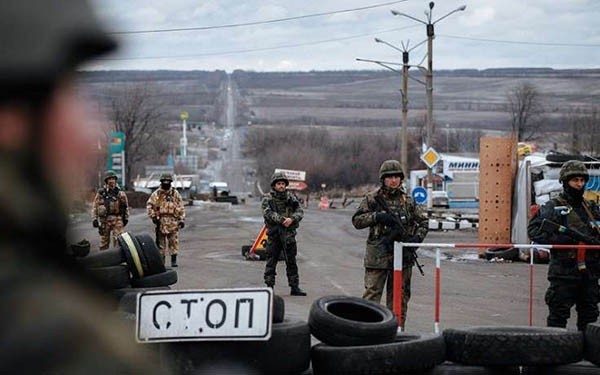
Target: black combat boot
{"points": [[173, 260], [296, 291]]}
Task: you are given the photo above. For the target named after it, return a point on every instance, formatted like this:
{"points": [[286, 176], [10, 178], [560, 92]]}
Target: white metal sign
{"points": [[198, 315], [293, 175]]}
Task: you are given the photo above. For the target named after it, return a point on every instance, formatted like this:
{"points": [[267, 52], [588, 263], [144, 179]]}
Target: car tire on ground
{"points": [[103, 258], [133, 255], [511, 253], [128, 298], [578, 368], [351, 321], [246, 249], [112, 277], [169, 277], [592, 343], [451, 368], [286, 352], [408, 353], [151, 253], [278, 309], [513, 346]]}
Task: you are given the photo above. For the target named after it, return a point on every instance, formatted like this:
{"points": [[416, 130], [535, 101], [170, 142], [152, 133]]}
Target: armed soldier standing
{"points": [[282, 214], [111, 211], [165, 209], [573, 274], [391, 215]]}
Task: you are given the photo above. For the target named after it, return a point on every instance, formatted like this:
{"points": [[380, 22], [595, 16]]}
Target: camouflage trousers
{"points": [[113, 225], [376, 279], [563, 294], [173, 242], [274, 249]]}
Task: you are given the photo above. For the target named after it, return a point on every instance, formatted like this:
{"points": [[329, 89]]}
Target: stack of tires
{"points": [[286, 352], [134, 266], [361, 337]]}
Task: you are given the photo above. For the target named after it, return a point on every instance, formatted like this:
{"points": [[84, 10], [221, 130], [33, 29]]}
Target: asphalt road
{"points": [[473, 291]]}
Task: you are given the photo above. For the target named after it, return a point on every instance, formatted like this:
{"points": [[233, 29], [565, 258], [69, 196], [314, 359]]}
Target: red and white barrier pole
{"points": [[398, 287], [436, 324]]}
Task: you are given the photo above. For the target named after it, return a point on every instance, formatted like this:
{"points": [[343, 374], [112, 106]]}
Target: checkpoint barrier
{"points": [[398, 287]]}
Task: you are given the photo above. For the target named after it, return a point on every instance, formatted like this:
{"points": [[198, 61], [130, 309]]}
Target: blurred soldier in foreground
{"points": [[573, 273], [282, 214], [165, 209], [54, 319], [111, 211], [391, 216]]}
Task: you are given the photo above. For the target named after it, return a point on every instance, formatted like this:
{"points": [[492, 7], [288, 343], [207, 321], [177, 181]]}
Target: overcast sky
{"points": [[488, 34]]}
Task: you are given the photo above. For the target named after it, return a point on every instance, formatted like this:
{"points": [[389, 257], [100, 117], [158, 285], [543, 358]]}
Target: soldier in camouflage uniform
{"points": [[376, 212], [573, 274], [282, 214], [165, 209], [55, 320], [110, 213]]}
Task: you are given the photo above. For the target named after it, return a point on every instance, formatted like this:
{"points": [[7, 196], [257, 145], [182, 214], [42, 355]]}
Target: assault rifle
{"points": [[395, 233], [550, 226]]}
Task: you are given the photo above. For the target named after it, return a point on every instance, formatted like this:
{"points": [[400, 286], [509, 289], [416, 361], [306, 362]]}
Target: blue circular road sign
{"points": [[419, 194]]}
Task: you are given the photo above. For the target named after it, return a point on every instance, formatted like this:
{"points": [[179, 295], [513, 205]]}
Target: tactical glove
{"points": [[181, 224], [95, 223], [385, 218], [156, 220]]}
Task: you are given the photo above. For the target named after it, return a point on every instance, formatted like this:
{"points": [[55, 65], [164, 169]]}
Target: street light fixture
{"points": [[429, 77]]}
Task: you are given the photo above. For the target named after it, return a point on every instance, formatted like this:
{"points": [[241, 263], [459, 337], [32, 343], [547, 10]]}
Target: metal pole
{"points": [[429, 89], [404, 151]]}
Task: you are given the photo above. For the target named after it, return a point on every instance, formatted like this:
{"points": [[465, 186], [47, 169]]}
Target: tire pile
{"points": [[135, 266]]}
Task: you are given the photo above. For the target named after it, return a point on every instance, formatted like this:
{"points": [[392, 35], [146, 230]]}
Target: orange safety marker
{"points": [[261, 240]]}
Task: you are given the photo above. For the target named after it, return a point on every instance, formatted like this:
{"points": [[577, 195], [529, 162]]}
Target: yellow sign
{"points": [[261, 240], [184, 115], [430, 157]]}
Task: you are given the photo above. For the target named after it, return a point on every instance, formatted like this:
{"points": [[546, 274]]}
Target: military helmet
{"points": [[573, 168], [279, 176], [166, 177], [390, 168], [41, 40], [109, 174]]}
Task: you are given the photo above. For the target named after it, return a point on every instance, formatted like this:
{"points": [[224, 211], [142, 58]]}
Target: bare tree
{"points": [[525, 108], [139, 117]]}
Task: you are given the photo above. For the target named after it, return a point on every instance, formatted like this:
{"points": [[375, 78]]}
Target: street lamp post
{"points": [[430, 28], [447, 137]]}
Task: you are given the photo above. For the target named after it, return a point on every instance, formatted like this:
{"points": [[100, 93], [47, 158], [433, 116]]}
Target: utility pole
{"points": [[430, 28]]}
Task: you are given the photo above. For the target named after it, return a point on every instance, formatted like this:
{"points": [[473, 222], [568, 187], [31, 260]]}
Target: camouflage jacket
{"points": [[415, 223], [276, 207], [110, 202], [166, 205], [559, 210]]}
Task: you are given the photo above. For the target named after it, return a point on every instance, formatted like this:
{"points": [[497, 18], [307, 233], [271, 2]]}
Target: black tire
{"points": [[128, 299], [262, 253], [351, 321], [246, 249], [112, 277], [103, 258], [169, 277], [412, 353], [579, 368], [511, 253], [592, 343], [286, 352], [278, 309], [81, 248], [513, 346], [133, 257], [450, 368], [151, 253]]}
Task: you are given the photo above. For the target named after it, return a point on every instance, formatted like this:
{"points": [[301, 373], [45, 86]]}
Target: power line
{"points": [[521, 42], [222, 53], [226, 26]]}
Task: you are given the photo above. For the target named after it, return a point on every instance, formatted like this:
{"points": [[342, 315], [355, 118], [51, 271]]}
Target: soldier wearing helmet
{"points": [[573, 273], [56, 319], [382, 210], [282, 215], [110, 212], [165, 209]]}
